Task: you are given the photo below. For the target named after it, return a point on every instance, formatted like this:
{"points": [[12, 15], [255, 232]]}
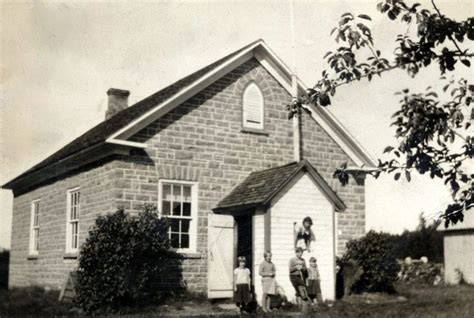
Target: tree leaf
{"points": [[454, 186], [407, 175], [392, 15], [379, 6], [397, 176], [364, 16], [466, 62], [324, 100], [327, 54]]}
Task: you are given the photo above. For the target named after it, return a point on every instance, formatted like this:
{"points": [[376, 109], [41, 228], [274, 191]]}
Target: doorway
{"points": [[244, 240]]}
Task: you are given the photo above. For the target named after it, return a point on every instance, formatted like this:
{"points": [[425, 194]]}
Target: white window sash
{"points": [[34, 227], [194, 210], [72, 222]]}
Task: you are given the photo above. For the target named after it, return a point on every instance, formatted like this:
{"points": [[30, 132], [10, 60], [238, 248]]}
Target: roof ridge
{"points": [[192, 73], [104, 129], [259, 188]]}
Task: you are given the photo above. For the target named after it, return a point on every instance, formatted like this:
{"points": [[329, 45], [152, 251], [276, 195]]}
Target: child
{"points": [[314, 282], [304, 235], [267, 271], [298, 274], [242, 284]]}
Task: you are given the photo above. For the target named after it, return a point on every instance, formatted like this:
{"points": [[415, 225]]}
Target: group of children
{"points": [[305, 280]]}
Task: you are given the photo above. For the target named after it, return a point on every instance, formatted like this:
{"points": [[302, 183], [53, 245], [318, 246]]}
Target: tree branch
{"points": [[399, 167], [467, 55], [459, 135], [449, 35]]}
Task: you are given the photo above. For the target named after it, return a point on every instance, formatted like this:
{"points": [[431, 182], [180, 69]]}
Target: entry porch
{"points": [[261, 214]]}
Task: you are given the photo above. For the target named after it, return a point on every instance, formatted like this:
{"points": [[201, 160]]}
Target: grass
{"points": [[411, 301], [421, 301], [33, 301]]}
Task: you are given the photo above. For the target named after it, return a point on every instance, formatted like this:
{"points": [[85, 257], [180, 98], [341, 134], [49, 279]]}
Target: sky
{"points": [[59, 58]]}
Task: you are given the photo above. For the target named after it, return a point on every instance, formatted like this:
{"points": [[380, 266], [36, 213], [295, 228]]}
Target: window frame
{"points": [[245, 123], [69, 221], [193, 227], [34, 238]]}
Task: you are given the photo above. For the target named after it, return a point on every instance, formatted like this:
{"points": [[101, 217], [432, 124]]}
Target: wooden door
{"points": [[221, 238]]}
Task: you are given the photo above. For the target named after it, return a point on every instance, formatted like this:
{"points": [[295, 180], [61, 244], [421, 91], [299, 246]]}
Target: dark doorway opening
{"points": [[244, 238]]}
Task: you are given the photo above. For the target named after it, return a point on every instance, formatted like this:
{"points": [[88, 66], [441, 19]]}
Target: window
{"points": [[34, 228], [253, 113], [178, 202], [73, 212]]}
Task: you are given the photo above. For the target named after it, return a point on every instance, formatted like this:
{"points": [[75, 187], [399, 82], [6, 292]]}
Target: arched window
{"points": [[253, 107]]}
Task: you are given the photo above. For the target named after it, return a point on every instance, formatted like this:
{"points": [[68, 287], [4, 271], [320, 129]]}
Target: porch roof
{"points": [[260, 187]]}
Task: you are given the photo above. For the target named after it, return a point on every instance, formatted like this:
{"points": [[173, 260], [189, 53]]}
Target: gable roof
{"points": [[121, 126], [99, 133], [260, 187]]}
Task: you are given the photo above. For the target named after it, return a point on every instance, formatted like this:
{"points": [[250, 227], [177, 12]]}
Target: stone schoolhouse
{"points": [[218, 155]]}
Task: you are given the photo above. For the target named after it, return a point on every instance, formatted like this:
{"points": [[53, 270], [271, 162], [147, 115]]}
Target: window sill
{"points": [[70, 256], [254, 131], [191, 255], [32, 257], [187, 255]]}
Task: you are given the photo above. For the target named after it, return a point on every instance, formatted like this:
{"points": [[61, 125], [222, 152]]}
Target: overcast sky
{"points": [[59, 59]]}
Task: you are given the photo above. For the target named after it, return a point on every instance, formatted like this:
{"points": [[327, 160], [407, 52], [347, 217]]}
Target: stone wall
{"points": [[51, 265], [325, 155], [201, 140]]}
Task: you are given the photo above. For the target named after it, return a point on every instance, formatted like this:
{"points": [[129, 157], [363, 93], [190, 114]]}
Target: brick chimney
{"points": [[118, 100]]}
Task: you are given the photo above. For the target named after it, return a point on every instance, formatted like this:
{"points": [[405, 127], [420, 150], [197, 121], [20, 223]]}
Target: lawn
{"points": [[410, 301], [421, 301]]}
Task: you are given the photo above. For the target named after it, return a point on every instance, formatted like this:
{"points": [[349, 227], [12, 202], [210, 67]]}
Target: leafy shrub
{"points": [[373, 253], [122, 261], [418, 272], [425, 240]]}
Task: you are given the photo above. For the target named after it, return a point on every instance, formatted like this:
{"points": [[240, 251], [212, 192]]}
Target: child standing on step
{"points": [[267, 271], [314, 283], [242, 285]]}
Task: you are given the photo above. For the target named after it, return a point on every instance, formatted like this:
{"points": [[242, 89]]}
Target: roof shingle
{"points": [[260, 187]]}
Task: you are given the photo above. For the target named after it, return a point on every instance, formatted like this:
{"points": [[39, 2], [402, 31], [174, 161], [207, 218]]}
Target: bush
{"points": [[122, 261], [373, 253], [416, 272], [425, 240]]}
